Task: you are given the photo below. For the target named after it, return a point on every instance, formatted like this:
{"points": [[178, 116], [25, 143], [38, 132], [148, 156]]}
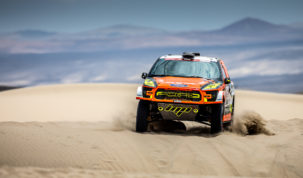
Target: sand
{"points": [[86, 130]]}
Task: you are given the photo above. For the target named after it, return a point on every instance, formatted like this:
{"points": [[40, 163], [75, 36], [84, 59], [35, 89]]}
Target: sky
{"points": [[172, 15]]}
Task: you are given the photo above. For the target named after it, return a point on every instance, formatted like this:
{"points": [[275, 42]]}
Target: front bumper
{"points": [[206, 97]]}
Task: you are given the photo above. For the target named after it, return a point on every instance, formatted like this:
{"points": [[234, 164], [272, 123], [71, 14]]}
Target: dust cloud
{"points": [[250, 123]]}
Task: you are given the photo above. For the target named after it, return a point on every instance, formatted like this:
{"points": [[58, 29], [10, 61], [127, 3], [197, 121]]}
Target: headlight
{"points": [[211, 86], [150, 83], [139, 92], [220, 96]]}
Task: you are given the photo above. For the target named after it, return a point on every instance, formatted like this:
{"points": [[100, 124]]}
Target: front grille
{"points": [[178, 95]]}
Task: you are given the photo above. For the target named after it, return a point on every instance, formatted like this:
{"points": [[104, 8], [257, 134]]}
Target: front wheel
{"points": [[227, 125], [142, 114], [217, 119]]}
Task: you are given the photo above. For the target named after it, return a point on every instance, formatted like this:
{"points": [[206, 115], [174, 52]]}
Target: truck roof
{"points": [[196, 58]]}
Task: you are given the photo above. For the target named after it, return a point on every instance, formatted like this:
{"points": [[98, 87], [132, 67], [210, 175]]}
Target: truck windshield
{"points": [[181, 68]]}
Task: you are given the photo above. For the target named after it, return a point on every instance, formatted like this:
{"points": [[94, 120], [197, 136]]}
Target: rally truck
{"points": [[186, 87]]}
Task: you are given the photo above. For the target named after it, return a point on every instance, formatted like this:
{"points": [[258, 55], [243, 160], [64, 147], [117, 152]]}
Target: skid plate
{"points": [[173, 111]]}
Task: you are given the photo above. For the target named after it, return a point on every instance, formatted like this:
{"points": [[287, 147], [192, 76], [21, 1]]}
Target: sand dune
{"points": [[86, 130], [82, 102]]}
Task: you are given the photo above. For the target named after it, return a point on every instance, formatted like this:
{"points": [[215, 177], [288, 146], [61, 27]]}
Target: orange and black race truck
{"points": [[186, 87]]}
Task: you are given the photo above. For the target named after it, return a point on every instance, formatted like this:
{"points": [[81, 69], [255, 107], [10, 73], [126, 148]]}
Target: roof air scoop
{"points": [[188, 56]]}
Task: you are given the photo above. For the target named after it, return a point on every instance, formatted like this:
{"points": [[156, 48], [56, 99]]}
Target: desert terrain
{"points": [[87, 130]]}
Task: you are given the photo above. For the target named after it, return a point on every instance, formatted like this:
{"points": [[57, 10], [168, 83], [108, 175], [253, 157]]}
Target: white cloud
{"points": [[99, 78], [267, 67], [73, 78], [22, 78], [133, 78], [16, 83]]}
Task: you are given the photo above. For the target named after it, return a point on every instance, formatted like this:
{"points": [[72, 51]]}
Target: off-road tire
{"points": [[142, 114], [216, 124], [227, 125], [233, 110]]}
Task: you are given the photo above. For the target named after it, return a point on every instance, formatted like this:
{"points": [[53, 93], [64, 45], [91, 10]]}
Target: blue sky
{"points": [[176, 15]]}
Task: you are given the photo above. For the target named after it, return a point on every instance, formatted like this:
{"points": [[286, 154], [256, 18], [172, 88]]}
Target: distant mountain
{"points": [[252, 26], [297, 25], [4, 88], [123, 30], [245, 31], [34, 33]]}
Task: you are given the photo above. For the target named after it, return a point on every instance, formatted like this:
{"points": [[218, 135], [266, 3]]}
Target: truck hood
{"points": [[171, 82]]}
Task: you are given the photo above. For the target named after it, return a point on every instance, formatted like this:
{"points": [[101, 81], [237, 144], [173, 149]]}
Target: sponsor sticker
{"points": [[178, 85]]}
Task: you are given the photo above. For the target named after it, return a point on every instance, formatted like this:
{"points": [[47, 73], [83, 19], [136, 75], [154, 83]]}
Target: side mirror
{"points": [[227, 80], [144, 75]]}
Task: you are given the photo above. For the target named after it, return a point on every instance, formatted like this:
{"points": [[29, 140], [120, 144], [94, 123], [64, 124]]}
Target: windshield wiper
{"points": [[194, 76], [157, 75], [210, 79]]}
